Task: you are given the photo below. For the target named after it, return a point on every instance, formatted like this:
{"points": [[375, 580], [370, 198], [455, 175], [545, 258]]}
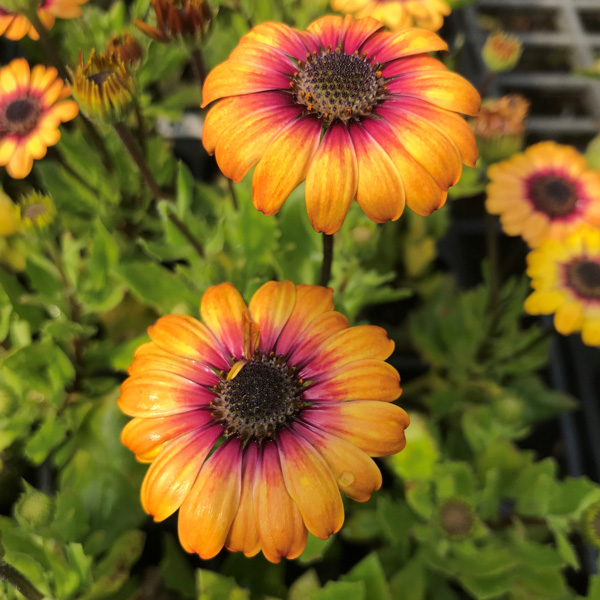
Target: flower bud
{"points": [[103, 87], [37, 210], [456, 518], [501, 52], [33, 508], [125, 47], [500, 127]]}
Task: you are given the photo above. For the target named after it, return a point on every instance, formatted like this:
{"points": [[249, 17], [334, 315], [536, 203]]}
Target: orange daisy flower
{"points": [[355, 111], [546, 191], [16, 26], [299, 400], [31, 109], [398, 14]]}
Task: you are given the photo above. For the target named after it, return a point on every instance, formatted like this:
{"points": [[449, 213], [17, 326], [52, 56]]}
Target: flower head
{"points": [[398, 14], [500, 127], [32, 106], [15, 26], [456, 518], [502, 51], [37, 210], [178, 19], [547, 191], [103, 86], [355, 111], [299, 400], [590, 524], [10, 219], [125, 47], [565, 277]]}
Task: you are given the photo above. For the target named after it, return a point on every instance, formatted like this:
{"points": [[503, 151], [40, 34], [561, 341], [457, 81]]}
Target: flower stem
{"points": [[48, 45], [181, 227], [485, 83], [56, 60], [198, 68], [234, 199], [17, 580], [134, 150], [327, 259]]}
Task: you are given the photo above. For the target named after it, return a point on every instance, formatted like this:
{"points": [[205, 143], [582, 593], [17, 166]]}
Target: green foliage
{"points": [[77, 298]]}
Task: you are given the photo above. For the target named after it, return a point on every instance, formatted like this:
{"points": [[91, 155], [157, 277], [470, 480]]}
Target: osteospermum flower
{"points": [[15, 26], [103, 86], [398, 14], [355, 111], [299, 400], [566, 281], [546, 191], [32, 106]]}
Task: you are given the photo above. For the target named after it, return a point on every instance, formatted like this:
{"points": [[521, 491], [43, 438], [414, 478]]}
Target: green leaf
{"points": [[370, 572], [305, 586], [417, 460], [45, 439], [156, 286], [410, 582], [340, 590], [177, 575], [185, 190], [315, 549], [212, 586]]}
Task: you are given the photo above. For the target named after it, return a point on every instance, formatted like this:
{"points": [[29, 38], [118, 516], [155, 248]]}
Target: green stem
{"points": [[134, 150], [234, 199], [17, 580], [327, 259], [198, 68], [485, 83]]}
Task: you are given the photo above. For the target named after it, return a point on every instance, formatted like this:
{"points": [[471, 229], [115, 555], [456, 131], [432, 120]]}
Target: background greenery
{"points": [[77, 296]]}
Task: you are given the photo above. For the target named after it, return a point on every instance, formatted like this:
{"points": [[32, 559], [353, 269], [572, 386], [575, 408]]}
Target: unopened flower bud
{"points": [[501, 52]]}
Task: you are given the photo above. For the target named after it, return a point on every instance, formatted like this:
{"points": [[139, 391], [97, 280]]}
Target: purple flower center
{"points": [[553, 195]]}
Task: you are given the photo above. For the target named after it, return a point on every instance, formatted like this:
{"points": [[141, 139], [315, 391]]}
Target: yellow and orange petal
{"points": [[398, 14], [16, 26], [103, 86], [565, 277], [353, 110], [295, 400], [32, 106], [545, 192]]}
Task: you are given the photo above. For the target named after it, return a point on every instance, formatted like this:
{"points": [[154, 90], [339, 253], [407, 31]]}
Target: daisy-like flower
{"points": [[546, 191], [398, 14], [103, 86], [299, 400], [566, 281], [37, 210], [32, 106], [15, 26], [355, 111]]}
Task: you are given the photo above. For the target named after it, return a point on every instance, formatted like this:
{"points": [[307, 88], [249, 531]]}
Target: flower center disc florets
{"points": [[583, 277], [336, 85], [554, 195], [261, 398], [20, 116]]}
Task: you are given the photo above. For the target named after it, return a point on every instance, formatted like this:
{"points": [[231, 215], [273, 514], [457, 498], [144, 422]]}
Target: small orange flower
{"points": [[177, 19], [125, 47], [355, 111], [16, 26], [299, 400], [398, 14], [31, 109], [547, 191]]}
